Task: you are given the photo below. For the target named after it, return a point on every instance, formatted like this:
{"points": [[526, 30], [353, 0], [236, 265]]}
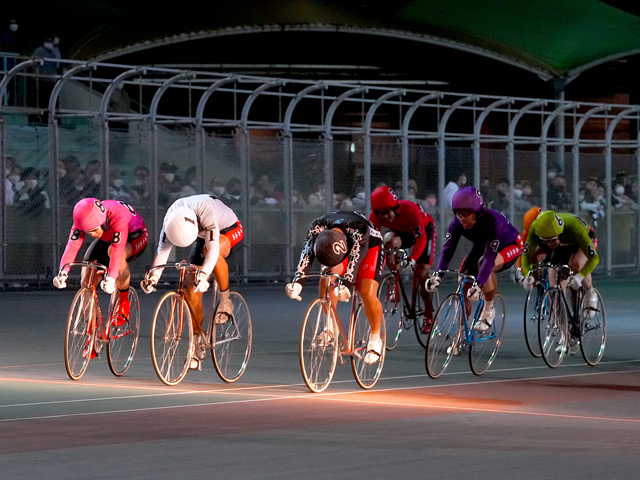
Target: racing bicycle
{"points": [[323, 342], [174, 344], [452, 333], [87, 330]]}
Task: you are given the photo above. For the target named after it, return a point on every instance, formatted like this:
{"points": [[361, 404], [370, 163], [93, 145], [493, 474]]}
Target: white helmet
{"points": [[181, 226]]}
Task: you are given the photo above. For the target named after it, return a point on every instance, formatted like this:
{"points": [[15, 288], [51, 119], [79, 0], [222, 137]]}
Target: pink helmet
{"points": [[89, 214]]}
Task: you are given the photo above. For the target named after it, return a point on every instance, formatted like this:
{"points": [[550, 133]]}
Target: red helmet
{"points": [[383, 198], [89, 214]]}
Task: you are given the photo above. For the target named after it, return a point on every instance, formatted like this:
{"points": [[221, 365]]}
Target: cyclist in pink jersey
{"points": [[120, 237]]}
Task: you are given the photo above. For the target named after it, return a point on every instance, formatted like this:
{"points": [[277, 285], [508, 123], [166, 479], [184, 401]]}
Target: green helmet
{"points": [[548, 225]]}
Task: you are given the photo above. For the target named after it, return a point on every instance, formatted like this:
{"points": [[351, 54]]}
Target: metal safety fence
{"points": [[282, 152]]}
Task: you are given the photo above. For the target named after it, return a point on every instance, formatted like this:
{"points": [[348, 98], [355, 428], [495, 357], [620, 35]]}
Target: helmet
{"points": [[89, 214], [383, 198], [530, 216], [331, 247], [181, 226], [548, 225], [467, 198]]}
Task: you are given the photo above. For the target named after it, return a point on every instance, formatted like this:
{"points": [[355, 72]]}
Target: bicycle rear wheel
{"points": [[553, 327], [231, 342], [171, 338], [123, 338], [422, 325], [444, 335], [531, 314], [593, 330], [485, 345], [318, 346], [81, 333], [366, 374], [392, 309]]}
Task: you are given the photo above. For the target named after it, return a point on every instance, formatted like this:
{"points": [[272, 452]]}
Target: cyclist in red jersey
{"points": [[120, 237], [409, 226]]}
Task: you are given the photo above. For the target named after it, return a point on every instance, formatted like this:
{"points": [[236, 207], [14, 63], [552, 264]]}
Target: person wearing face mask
{"points": [[233, 198], [169, 184], [11, 42], [65, 185], [218, 187], [119, 191], [93, 179], [141, 183], [557, 196], [45, 75], [520, 204], [621, 200], [31, 198]]}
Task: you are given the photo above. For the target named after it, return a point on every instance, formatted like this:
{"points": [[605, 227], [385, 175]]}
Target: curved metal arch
{"points": [[328, 119], [575, 150], [608, 186], [153, 108], [552, 116], [106, 98], [406, 121], [286, 129], [516, 118], [244, 117], [477, 128], [202, 103], [442, 125], [13, 72], [367, 142]]}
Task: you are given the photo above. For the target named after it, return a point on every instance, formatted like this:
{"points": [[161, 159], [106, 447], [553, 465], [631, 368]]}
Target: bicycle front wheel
{"points": [[392, 309], [171, 338], [593, 330], [531, 314], [444, 335], [485, 345], [366, 374], [231, 343], [124, 332], [553, 327], [423, 322], [81, 333], [318, 346]]}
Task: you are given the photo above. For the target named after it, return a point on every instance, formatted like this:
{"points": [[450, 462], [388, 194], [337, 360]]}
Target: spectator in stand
{"points": [[233, 193], [527, 193], [169, 184], [499, 198], [430, 204], [79, 185], [11, 42], [485, 188], [65, 185], [31, 199], [191, 183], [623, 179], [316, 199], [141, 184], [591, 203], [93, 179], [71, 165], [119, 191], [297, 200], [218, 187], [622, 201], [45, 75], [452, 187], [358, 198], [520, 204], [557, 197], [264, 191]]}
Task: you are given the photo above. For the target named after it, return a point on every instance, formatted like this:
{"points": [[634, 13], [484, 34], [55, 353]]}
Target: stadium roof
{"points": [[549, 38]]}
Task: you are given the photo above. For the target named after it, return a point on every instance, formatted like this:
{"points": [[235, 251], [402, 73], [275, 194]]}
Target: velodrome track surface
{"points": [[520, 420]]}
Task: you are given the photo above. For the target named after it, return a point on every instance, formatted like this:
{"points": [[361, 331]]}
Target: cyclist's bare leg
{"points": [[338, 270], [195, 300], [576, 262], [420, 276], [221, 270], [491, 286], [368, 289], [124, 275]]}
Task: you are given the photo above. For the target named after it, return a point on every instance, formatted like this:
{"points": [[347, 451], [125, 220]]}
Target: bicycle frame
{"points": [[409, 309]]}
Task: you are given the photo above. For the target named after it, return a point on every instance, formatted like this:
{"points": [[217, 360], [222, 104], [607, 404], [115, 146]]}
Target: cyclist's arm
{"points": [[419, 232], [212, 244], [162, 254], [586, 245], [451, 240], [358, 252], [530, 247], [307, 256], [375, 221], [118, 247], [76, 237]]}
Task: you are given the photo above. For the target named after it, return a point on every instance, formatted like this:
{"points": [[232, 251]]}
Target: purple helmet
{"points": [[467, 198]]}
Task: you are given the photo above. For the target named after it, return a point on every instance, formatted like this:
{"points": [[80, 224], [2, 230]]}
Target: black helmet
{"points": [[331, 247]]}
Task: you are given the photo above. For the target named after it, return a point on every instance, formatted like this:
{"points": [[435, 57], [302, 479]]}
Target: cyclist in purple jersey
{"points": [[496, 246]]}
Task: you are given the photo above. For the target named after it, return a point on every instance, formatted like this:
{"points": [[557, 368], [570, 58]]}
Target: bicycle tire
{"points": [[484, 346], [553, 327], [172, 338], [123, 339], [422, 329], [81, 333], [318, 346], [231, 341], [444, 334], [593, 331], [366, 374], [392, 309], [531, 318]]}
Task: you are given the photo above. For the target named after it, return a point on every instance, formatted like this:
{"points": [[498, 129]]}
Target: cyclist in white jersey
{"points": [[217, 233]]}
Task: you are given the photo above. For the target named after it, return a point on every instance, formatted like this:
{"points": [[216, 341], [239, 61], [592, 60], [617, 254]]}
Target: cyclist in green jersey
{"points": [[562, 239]]}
